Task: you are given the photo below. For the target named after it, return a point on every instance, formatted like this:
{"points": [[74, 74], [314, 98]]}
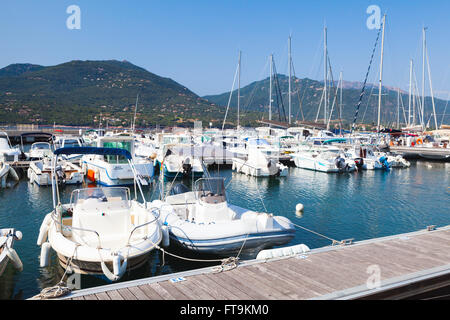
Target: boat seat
{"points": [[112, 221], [213, 198]]}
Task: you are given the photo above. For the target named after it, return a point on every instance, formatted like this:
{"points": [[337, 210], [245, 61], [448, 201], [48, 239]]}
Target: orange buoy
{"points": [[419, 141], [91, 175]]}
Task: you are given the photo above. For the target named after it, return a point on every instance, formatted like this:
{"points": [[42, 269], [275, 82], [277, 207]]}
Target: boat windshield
{"points": [[127, 145], [211, 190], [41, 146], [110, 194]]}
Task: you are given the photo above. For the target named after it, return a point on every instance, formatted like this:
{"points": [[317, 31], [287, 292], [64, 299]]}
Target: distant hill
{"points": [[78, 92], [255, 97], [18, 69]]}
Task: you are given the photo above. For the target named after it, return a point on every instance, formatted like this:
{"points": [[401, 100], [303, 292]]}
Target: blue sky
{"points": [[196, 42]]}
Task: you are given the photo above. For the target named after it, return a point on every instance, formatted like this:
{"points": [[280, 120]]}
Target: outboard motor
{"points": [[60, 174], [340, 163], [187, 167], [179, 188], [359, 163], [384, 163]]}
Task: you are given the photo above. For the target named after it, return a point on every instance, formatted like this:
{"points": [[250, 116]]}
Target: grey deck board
{"points": [[333, 272]]}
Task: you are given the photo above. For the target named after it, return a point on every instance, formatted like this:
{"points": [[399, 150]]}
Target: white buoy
{"points": [[45, 255], [18, 235], [299, 207], [165, 236]]}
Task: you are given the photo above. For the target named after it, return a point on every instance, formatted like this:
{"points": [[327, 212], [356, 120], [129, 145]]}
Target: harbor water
{"points": [[359, 206]]}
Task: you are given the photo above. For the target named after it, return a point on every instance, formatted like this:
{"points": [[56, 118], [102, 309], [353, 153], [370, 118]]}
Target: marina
{"points": [[319, 175], [363, 220]]}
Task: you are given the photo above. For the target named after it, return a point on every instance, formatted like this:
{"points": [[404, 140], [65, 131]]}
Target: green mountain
{"points": [[307, 95], [87, 92]]}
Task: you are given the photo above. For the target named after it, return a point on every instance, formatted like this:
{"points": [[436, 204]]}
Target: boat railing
{"points": [[156, 218]]}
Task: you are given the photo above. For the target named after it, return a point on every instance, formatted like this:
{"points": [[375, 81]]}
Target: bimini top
{"points": [[335, 140], [94, 150]]}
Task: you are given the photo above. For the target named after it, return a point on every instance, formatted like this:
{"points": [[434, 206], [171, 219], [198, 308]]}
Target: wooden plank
{"points": [[359, 260], [274, 287], [150, 292], [238, 293], [90, 297], [78, 298], [114, 295], [336, 267], [102, 296], [417, 250], [216, 292], [415, 262], [232, 278], [285, 286], [138, 293], [267, 291], [161, 291], [126, 294], [192, 291], [303, 286], [173, 290], [313, 273]]}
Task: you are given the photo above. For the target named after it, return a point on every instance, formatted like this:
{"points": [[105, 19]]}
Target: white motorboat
{"points": [[40, 172], [114, 170], [101, 230], [177, 165], [7, 172], [365, 158], [202, 220], [262, 161], [329, 159], [7, 253], [8, 153], [68, 141], [39, 150]]}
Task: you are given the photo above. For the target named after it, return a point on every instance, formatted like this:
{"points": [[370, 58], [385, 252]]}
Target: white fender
{"points": [[43, 231], [14, 174], [165, 236], [45, 255], [119, 270], [14, 257], [282, 252]]}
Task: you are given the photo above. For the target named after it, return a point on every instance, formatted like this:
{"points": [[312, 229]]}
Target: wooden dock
{"points": [[405, 265]]}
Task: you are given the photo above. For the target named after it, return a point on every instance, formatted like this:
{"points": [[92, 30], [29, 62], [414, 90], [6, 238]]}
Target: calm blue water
{"points": [[358, 205]]}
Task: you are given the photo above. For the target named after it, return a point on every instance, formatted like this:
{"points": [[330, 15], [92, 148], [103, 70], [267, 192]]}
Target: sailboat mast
{"points": [[135, 110], [340, 103], [381, 74], [410, 91], [398, 108], [423, 76], [270, 87], [290, 77], [431, 88], [325, 73], [239, 89]]}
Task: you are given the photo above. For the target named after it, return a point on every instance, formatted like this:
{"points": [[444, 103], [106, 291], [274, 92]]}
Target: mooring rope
{"points": [[59, 290], [333, 241]]}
